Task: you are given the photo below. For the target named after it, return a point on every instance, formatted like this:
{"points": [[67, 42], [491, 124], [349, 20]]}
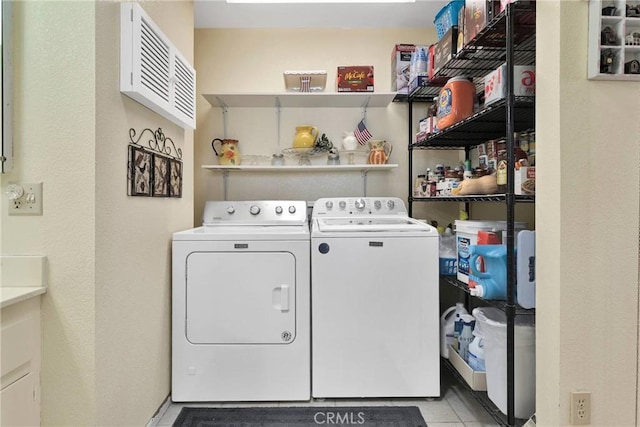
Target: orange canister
{"points": [[456, 101]]}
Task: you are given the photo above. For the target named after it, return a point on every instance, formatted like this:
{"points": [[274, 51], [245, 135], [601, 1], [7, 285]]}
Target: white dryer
{"points": [[375, 309], [241, 304]]}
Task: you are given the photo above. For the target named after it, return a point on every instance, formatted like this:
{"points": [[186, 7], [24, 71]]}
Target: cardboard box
{"points": [[495, 83], [400, 63], [524, 181], [493, 148], [475, 18], [417, 82], [445, 49], [355, 78], [477, 380], [460, 41], [445, 188]]}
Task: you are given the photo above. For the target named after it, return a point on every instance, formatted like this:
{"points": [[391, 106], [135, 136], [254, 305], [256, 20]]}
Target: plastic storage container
{"points": [[491, 326], [467, 235], [447, 321], [455, 101], [447, 17]]}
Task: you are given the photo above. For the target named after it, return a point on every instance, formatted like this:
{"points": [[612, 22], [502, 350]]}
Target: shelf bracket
{"points": [[225, 110], [364, 108], [225, 184], [278, 109], [364, 182]]}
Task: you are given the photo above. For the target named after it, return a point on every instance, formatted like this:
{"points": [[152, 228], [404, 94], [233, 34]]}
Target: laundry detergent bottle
{"points": [[447, 321], [488, 277], [476, 354]]}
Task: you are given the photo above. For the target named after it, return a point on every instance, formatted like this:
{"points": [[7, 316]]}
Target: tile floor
{"points": [[456, 408]]}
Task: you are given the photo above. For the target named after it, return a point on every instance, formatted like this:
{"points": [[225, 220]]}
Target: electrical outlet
{"points": [[580, 408], [25, 199]]}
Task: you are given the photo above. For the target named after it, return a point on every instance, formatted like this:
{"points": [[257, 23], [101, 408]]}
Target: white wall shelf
{"points": [[302, 100], [363, 169], [625, 49], [296, 168]]}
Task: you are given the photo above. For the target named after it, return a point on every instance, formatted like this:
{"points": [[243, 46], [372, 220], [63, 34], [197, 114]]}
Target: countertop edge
{"points": [[10, 295]]}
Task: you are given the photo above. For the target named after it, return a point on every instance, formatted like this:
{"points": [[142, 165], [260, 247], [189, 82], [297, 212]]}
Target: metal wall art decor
{"points": [[153, 170]]}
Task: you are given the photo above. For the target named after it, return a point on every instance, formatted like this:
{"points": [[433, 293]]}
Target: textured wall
{"points": [[587, 211], [133, 234], [106, 315]]}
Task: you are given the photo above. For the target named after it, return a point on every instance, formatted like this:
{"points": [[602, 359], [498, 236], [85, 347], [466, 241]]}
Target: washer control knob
{"points": [[278, 210], [329, 204], [391, 204], [254, 210], [292, 209], [342, 204], [377, 204], [360, 204], [231, 210]]}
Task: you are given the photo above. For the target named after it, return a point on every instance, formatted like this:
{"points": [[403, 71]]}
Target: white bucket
{"points": [[467, 235], [491, 325]]}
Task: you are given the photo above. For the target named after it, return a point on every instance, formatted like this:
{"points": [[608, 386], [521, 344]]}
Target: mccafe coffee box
{"points": [[355, 78]]}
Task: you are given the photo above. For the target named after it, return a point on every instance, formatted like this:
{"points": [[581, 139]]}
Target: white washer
{"points": [[241, 304], [375, 318]]}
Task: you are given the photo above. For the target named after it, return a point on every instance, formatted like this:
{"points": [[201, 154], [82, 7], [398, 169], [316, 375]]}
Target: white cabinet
{"points": [[20, 364], [614, 40], [152, 70]]}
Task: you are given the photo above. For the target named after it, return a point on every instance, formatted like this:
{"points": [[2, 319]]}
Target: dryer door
{"points": [[240, 298]]}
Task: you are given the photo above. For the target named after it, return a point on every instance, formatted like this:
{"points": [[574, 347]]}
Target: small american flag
{"points": [[362, 133]]}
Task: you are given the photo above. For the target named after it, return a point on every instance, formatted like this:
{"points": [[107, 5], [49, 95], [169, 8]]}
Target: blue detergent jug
{"points": [[488, 271]]}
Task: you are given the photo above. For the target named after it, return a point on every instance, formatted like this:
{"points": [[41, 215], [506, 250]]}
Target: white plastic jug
{"points": [[476, 353], [466, 336], [447, 320]]}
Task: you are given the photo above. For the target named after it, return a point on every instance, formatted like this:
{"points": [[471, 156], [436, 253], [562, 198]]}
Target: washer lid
{"points": [[372, 224]]}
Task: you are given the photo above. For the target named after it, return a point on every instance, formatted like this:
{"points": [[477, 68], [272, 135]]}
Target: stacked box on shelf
{"points": [[355, 78], [445, 49], [400, 61]]}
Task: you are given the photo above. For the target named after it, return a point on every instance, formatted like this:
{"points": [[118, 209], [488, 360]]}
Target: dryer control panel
{"points": [[359, 206], [257, 212]]}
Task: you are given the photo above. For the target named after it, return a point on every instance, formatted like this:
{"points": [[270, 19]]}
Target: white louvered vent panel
{"points": [[152, 70], [154, 62], [185, 88]]}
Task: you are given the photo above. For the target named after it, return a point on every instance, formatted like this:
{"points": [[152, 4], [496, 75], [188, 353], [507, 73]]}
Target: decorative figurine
{"points": [[632, 67], [607, 37], [606, 61]]}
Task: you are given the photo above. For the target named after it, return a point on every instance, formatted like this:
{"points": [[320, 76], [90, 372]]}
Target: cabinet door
{"points": [[152, 71], [20, 402]]}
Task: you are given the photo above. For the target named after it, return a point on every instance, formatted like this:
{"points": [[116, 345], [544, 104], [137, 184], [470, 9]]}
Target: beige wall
{"points": [[106, 315], [587, 210], [133, 234], [252, 60]]}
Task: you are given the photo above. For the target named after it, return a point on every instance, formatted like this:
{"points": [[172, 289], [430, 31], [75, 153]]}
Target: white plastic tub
{"points": [[467, 235], [491, 325]]}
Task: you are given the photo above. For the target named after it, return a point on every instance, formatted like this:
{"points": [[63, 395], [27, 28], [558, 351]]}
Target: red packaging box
{"points": [[355, 78]]}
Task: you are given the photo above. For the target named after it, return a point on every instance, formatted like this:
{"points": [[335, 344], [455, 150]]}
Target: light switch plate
{"points": [[25, 199]]}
